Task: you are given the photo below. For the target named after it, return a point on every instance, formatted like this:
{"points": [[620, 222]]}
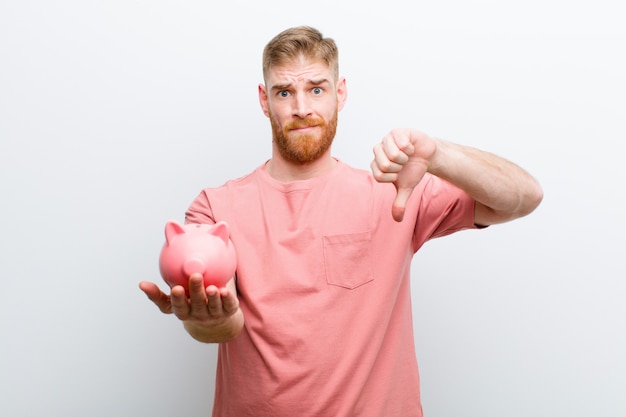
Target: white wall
{"points": [[114, 114]]}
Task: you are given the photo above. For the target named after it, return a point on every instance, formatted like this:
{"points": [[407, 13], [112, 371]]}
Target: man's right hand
{"points": [[209, 315]]}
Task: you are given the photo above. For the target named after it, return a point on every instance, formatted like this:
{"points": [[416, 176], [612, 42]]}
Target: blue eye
{"points": [[317, 90], [283, 93]]}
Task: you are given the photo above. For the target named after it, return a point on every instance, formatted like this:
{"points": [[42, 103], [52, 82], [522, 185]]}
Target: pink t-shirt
{"points": [[323, 282]]}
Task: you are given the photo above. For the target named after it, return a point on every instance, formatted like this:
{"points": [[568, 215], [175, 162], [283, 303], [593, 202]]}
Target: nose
{"points": [[301, 106]]}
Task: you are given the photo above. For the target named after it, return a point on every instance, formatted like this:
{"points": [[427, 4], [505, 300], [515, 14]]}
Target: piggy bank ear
{"points": [[221, 230], [173, 229]]}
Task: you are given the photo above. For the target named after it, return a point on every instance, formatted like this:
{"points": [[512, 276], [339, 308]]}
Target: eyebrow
{"points": [[280, 87]]}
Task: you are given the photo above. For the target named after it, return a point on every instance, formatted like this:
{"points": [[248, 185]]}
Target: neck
{"points": [[285, 171]]}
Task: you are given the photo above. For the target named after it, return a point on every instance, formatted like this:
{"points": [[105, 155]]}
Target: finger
{"points": [[180, 303], [399, 204], [382, 176], [157, 296], [215, 301], [197, 296], [151, 290], [230, 302], [381, 165], [385, 164], [397, 148]]}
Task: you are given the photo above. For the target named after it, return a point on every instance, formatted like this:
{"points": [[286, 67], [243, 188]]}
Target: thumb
{"points": [[158, 297], [399, 204]]}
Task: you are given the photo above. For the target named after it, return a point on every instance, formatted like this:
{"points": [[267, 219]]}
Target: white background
{"points": [[114, 115]]}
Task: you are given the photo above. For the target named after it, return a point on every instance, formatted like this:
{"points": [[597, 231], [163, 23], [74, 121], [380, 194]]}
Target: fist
{"points": [[402, 158]]}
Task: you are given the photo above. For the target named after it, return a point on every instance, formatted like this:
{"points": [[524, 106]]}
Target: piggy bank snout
{"points": [[194, 266]]}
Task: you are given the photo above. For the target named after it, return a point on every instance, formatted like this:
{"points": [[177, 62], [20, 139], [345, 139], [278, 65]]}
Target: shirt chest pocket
{"points": [[348, 259]]}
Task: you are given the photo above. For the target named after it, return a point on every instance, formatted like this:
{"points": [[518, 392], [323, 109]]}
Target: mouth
{"points": [[303, 125], [302, 128]]}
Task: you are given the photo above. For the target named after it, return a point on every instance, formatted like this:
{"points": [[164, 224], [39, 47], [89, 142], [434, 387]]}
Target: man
{"points": [[317, 320]]}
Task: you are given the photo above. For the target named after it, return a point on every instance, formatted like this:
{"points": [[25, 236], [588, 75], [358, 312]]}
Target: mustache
{"points": [[304, 123]]}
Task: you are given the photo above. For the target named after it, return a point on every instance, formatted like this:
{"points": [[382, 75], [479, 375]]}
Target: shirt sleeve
{"points": [[443, 209], [200, 210]]}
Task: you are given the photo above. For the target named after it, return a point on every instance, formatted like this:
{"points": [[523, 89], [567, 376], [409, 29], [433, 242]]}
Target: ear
{"points": [[342, 93], [172, 229], [263, 100], [221, 230]]}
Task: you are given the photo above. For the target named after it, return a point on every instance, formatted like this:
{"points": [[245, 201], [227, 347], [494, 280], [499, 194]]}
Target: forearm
{"points": [[502, 190]]}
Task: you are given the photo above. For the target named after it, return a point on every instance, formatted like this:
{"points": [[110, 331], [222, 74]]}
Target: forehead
{"points": [[300, 70]]}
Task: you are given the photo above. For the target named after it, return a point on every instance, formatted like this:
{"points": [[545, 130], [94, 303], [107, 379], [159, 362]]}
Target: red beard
{"points": [[304, 147]]}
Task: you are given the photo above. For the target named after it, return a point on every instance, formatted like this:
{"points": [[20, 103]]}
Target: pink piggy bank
{"points": [[197, 248]]}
